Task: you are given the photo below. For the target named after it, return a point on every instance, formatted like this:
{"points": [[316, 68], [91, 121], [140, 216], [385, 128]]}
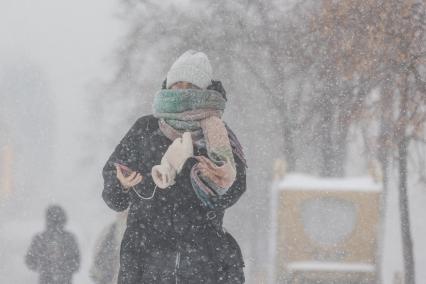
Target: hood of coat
{"points": [[55, 217]]}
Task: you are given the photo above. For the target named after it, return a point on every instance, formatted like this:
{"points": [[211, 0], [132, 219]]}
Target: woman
{"points": [[177, 171]]}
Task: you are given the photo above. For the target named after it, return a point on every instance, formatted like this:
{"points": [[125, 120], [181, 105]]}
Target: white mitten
{"points": [[163, 175], [173, 160], [179, 151]]}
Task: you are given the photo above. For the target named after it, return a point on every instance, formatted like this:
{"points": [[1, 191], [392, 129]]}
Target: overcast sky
{"points": [[70, 41]]}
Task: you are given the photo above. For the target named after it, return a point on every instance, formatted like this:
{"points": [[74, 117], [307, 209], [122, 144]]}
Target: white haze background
{"points": [[68, 46]]}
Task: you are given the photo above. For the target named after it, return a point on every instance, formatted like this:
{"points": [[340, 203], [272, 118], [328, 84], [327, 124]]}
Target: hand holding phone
{"points": [[127, 177]]}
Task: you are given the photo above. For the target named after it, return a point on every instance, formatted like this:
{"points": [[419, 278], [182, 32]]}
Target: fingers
{"points": [[223, 176], [209, 172], [132, 176], [212, 169], [137, 177], [214, 178], [120, 175], [207, 162], [133, 179], [204, 167]]}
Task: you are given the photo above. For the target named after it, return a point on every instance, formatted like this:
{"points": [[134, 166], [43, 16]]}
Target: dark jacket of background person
{"points": [[54, 253], [106, 260], [171, 237]]}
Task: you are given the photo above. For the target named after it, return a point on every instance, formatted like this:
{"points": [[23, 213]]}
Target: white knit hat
{"points": [[193, 67]]}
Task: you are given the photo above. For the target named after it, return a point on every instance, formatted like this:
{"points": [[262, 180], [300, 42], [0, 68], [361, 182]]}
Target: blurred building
{"points": [[26, 141], [6, 163], [26, 128]]}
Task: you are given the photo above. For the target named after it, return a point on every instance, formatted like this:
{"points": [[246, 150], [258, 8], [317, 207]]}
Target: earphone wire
{"points": [[145, 198]]}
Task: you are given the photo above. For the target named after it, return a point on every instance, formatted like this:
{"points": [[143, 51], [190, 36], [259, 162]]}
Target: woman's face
{"points": [[183, 85]]}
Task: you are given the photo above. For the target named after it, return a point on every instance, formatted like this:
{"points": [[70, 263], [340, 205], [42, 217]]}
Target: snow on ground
{"points": [[330, 266], [298, 181]]}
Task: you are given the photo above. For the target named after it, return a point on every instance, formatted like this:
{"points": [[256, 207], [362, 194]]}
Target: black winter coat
{"points": [[171, 238], [55, 255]]}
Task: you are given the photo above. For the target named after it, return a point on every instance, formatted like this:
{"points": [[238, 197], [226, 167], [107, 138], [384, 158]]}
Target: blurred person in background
{"points": [[106, 262], [177, 171], [54, 253]]}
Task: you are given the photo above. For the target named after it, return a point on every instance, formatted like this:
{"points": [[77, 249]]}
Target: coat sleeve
{"points": [[125, 153], [33, 258], [233, 194]]}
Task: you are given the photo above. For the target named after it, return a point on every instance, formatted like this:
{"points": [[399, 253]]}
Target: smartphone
{"points": [[124, 169]]}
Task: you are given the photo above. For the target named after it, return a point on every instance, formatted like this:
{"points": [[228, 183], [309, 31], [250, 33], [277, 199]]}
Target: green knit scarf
{"points": [[195, 110]]}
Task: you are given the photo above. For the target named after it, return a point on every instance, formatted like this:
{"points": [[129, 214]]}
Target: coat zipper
{"points": [[177, 266]]}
